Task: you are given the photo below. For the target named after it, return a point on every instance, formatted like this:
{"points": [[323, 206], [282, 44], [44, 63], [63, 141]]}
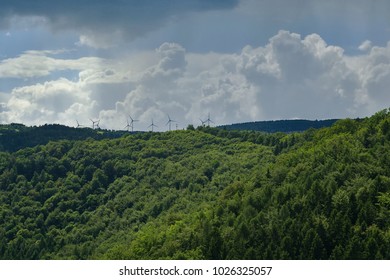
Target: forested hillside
{"points": [[203, 193]]}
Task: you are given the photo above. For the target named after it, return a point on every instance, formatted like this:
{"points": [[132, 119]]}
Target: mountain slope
{"points": [[202, 194]]}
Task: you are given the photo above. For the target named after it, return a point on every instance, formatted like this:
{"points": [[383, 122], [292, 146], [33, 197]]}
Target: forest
{"points": [[201, 193]]}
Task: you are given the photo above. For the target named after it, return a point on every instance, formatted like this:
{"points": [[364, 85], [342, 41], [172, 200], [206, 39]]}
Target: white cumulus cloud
{"points": [[365, 46], [40, 63], [291, 76]]}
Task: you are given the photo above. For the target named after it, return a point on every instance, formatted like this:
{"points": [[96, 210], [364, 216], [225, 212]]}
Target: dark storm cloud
{"points": [[129, 17]]}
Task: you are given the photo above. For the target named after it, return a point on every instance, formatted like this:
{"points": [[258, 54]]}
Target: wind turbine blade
{"points": [[134, 120]]}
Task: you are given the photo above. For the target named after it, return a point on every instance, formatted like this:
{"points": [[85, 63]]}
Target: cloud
{"points": [[171, 65], [101, 90], [130, 19], [365, 46], [292, 76], [97, 41], [43, 103], [156, 91], [40, 63], [346, 12], [287, 73], [295, 77], [374, 74]]}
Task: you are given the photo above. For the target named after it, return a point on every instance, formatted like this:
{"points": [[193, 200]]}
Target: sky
{"points": [[237, 60]]}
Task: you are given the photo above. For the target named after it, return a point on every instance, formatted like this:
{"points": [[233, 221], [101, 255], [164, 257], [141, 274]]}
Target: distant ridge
{"points": [[280, 125], [18, 136]]}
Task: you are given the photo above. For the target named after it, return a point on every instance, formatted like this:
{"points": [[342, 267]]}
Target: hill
{"points": [[17, 136], [203, 193], [281, 125]]}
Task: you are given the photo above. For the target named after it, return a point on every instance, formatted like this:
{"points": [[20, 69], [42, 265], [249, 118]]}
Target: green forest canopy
{"points": [[203, 193]]}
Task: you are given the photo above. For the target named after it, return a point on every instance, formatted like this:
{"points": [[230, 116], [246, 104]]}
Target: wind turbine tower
{"points": [[128, 125], [95, 123], [78, 125], [169, 122], [209, 120], [152, 125], [132, 123]]}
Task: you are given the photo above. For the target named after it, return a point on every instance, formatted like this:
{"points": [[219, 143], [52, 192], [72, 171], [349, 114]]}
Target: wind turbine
{"points": [[78, 125], [95, 123], [203, 122], [169, 122], [128, 125], [132, 123], [152, 125], [209, 120]]}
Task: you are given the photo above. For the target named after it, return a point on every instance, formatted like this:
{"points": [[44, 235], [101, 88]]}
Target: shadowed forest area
{"points": [[204, 193]]}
